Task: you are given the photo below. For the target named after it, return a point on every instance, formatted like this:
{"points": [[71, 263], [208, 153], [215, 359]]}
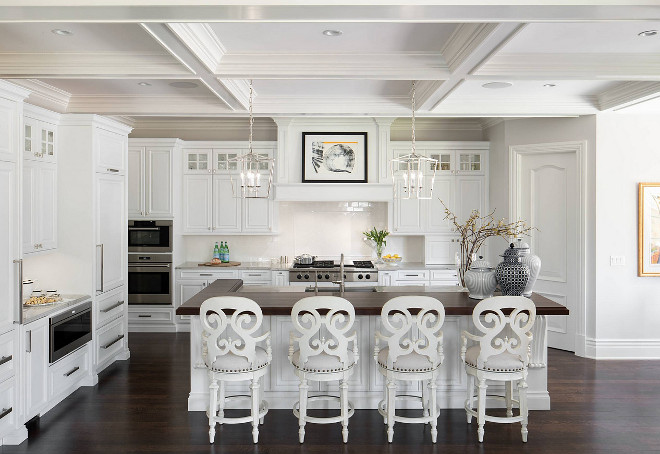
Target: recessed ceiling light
{"points": [[332, 32], [549, 85], [497, 85], [648, 33], [61, 32], [144, 84], [183, 84]]}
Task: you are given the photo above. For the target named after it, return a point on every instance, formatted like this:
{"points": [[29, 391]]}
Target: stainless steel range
{"points": [[327, 273]]}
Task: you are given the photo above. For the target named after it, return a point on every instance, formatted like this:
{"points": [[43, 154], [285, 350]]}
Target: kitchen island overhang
{"points": [[281, 384]]}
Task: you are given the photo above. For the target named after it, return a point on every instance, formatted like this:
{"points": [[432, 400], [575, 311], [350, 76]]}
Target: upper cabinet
{"points": [[150, 177], [40, 134], [210, 198], [110, 149]]}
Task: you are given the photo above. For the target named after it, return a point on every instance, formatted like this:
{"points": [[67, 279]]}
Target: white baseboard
{"points": [[15, 437], [539, 400], [622, 348]]}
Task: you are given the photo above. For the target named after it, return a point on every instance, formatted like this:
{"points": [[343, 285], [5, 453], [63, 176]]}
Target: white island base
{"points": [[280, 384]]}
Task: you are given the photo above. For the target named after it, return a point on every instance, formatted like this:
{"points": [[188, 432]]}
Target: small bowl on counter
{"points": [[393, 261]]}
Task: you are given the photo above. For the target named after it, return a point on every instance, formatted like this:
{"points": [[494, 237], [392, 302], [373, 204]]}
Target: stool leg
{"points": [[470, 395], [391, 395], [213, 396], [425, 399], [434, 411], [385, 401], [524, 410], [261, 399], [343, 388], [221, 402], [508, 392], [303, 409], [481, 407], [254, 388]]}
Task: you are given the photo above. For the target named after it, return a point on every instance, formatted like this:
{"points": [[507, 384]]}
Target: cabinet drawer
{"points": [[150, 315], [109, 308], [412, 275], [8, 407], [210, 275], [7, 351], [66, 374], [440, 283], [262, 277], [110, 341], [444, 275]]}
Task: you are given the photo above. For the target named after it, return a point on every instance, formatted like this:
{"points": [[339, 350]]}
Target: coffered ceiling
{"points": [[189, 59]]}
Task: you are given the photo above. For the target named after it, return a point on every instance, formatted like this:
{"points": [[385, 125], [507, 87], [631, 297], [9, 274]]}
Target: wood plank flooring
{"points": [[139, 406]]}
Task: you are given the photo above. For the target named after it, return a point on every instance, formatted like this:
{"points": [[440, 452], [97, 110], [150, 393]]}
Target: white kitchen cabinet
{"points": [[197, 203], [39, 206], [470, 195], [386, 278], [440, 249], [443, 192], [280, 278], [9, 243], [150, 178], [186, 289], [111, 225], [35, 367], [257, 215], [40, 134], [256, 277], [226, 206], [110, 151], [408, 213]]}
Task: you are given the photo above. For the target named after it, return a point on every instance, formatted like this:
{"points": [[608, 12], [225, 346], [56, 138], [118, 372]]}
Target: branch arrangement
{"points": [[477, 229]]}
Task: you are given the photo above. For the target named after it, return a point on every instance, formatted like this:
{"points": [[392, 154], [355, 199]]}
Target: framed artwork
{"points": [[648, 225], [334, 157]]}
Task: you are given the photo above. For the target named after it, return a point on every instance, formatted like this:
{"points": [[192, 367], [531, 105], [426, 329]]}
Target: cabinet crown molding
{"points": [[95, 120]]}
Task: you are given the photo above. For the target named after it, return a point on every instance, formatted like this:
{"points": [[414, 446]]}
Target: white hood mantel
{"points": [[334, 192]]}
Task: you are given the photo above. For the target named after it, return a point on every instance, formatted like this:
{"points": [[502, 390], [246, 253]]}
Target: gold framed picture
{"points": [[648, 226]]}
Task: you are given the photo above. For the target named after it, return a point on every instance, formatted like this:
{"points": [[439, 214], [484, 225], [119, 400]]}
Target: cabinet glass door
{"points": [[444, 164], [469, 162], [197, 162]]}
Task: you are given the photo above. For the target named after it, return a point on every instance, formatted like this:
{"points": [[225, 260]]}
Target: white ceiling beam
{"points": [[379, 66], [628, 94], [469, 46], [169, 40], [571, 66], [146, 105], [414, 11]]}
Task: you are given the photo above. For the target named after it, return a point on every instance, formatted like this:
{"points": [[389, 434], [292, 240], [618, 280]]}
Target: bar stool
{"points": [[502, 354], [323, 354], [408, 358], [230, 354]]}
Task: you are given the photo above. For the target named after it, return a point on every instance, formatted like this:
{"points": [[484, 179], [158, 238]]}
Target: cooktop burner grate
{"points": [[317, 264], [363, 264]]}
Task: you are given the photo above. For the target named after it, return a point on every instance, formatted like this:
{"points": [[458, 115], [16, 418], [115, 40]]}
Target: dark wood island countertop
{"points": [[280, 300]]}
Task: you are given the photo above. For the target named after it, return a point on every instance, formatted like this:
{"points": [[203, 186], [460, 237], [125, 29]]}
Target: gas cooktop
{"points": [[327, 271], [332, 264]]}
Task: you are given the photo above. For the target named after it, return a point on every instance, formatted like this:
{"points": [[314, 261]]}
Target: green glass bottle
{"points": [[223, 252], [226, 252], [216, 251]]}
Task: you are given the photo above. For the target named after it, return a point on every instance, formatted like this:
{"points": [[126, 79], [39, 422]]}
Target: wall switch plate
{"points": [[617, 260]]}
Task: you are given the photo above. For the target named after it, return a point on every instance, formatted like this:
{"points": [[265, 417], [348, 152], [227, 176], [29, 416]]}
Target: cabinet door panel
{"points": [[443, 192], [8, 243], [226, 207], [8, 130], [469, 196], [110, 152], [111, 228], [36, 367], [135, 182], [29, 215], [197, 197], [440, 250], [31, 143], [257, 215], [407, 213], [47, 206], [159, 182]]}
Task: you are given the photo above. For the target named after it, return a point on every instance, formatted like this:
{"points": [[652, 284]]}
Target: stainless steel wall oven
{"points": [[150, 236], [150, 279]]}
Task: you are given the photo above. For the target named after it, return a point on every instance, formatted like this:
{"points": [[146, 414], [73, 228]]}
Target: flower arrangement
{"points": [[378, 238], [476, 230]]}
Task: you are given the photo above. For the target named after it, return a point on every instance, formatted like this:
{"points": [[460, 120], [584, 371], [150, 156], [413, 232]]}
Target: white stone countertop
{"points": [[32, 313]]}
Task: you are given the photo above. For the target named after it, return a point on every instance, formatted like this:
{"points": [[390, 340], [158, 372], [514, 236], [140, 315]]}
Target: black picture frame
{"points": [[314, 172]]}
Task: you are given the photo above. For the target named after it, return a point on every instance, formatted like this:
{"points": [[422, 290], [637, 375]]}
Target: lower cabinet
{"points": [[110, 315], [150, 318], [66, 375], [111, 342], [424, 277], [35, 367], [10, 408]]}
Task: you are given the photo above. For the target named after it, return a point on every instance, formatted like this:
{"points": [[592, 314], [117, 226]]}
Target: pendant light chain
{"points": [[251, 118], [413, 117]]}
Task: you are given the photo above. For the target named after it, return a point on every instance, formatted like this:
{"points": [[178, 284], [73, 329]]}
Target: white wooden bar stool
{"points": [[410, 357], [230, 354], [323, 323], [502, 355]]}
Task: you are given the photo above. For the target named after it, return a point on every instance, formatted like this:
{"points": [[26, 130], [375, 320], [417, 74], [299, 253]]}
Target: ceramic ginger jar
{"points": [[534, 264], [480, 280], [511, 274]]}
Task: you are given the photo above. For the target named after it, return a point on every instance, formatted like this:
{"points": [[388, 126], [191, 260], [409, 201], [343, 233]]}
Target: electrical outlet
{"points": [[617, 260]]}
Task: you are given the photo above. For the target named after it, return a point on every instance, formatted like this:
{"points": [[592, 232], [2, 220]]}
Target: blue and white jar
{"points": [[512, 275]]}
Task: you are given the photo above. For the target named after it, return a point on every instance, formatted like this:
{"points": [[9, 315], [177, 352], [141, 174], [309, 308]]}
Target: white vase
{"points": [[480, 282], [534, 264]]}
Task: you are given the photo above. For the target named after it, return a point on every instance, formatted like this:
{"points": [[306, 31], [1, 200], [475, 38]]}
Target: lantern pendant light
{"points": [[254, 177], [413, 174]]}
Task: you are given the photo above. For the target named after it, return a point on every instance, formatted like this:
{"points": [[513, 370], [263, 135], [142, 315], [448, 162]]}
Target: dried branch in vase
{"points": [[476, 230]]}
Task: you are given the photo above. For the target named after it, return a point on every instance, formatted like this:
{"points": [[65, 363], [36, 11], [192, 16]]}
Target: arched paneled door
{"points": [[547, 192]]}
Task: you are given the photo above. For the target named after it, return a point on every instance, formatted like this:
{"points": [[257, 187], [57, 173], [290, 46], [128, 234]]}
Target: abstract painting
{"points": [[334, 157], [649, 229]]}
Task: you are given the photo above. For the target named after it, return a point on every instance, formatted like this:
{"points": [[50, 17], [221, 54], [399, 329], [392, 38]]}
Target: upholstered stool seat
{"points": [[234, 363], [504, 362], [323, 362], [412, 362]]}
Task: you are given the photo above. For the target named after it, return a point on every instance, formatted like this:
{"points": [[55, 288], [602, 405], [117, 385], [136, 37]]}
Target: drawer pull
{"points": [[114, 306], [5, 412], [205, 274], [144, 315], [120, 337], [72, 371], [113, 170], [412, 275], [5, 359]]}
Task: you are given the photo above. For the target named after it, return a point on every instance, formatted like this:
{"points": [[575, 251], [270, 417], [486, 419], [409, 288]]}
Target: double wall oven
{"points": [[150, 273]]}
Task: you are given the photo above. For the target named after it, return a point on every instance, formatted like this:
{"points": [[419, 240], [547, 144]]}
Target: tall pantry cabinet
{"points": [[92, 162]]}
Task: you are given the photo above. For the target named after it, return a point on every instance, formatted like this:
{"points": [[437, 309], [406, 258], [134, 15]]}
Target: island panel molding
{"points": [[334, 157]]}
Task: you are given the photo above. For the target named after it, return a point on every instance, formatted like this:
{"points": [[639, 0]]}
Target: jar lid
{"points": [[481, 265], [522, 246], [511, 251]]}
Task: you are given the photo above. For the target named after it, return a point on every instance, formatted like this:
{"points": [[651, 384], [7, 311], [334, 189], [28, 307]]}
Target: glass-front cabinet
{"points": [[39, 140]]}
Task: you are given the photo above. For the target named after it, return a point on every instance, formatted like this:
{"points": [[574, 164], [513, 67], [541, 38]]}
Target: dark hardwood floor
{"points": [[140, 406]]}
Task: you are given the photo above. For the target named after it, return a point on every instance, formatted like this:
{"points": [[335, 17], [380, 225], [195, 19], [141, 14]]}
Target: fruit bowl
{"points": [[392, 260]]}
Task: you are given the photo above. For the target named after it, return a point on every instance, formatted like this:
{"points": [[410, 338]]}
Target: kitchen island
{"points": [[365, 388]]}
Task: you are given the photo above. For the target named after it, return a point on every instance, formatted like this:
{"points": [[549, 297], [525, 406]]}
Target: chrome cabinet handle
{"points": [[205, 274], [144, 315], [28, 341], [6, 359], [19, 262], [72, 371], [114, 306], [113, 170], [120, 337], [101, 289], [5, 412]]}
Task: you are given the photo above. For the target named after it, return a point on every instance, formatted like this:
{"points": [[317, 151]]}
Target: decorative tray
{"points": [[38, 301], [219, 264]]}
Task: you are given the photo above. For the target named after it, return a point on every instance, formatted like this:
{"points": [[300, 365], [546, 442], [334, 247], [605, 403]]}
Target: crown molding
{"points": [[45, 95], [204, 124], [490, 122], [628, 93], [383, 66], [95, 120], [202, 41], [463, 41], [89, 64], [240, 89], [584, 66]]}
